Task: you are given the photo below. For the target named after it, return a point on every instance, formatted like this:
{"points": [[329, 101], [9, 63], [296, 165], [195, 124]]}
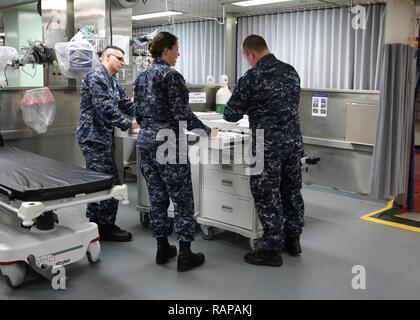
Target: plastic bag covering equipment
{"points": [[38, 109], [26, 176], [6, 56], [76, 58]]}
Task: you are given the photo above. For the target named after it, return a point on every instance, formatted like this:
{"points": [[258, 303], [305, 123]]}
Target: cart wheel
{"points": [[93, 251], [207, 233], [255, 244], [144, 219], [171, 226], [14, 274]]}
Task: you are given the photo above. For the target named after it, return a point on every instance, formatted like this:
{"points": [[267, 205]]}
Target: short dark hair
{"points": [[113, 48], [163, 40], [255, 42]]}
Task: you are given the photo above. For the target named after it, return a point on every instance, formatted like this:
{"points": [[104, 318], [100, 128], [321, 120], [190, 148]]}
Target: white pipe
{"points": [[215, 19]]}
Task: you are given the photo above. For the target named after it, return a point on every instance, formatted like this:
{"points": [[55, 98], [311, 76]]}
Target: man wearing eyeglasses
{"points": [[102, 105]]}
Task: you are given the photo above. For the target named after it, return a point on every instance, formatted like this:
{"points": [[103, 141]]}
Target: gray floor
{"points": [[334, 240]]}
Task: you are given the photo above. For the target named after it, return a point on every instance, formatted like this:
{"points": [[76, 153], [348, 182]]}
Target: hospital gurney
{"points": [[31, 189]]}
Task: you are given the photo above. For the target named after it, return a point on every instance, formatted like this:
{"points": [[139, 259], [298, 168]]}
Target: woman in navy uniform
{"points": [[162, 99]]}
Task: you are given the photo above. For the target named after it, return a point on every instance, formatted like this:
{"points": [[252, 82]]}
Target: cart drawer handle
{"points": [[227, 167], [228, 183], [227, 209]]}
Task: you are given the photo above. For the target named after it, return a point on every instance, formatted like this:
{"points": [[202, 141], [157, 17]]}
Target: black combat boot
{"points": [[264, 257], [187, 259], [164, 251], [292, 246], [111, 232]]}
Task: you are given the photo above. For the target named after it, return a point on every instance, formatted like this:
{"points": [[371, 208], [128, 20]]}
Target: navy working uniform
{"points": [[102, 98], [269, 94], [162, 99]]}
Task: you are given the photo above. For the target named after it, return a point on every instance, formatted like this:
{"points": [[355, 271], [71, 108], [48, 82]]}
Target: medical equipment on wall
{"points": [[76, 57], [35, 53], [6, 70], [144, 39], [140, 50], [38, 109]]}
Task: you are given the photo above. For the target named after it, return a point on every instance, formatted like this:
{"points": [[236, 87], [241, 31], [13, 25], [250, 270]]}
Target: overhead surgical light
{"points": [[250, 3], [156, 15]]}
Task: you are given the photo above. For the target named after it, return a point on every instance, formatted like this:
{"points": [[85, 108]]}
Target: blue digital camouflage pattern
{"points": [[269, 94], [99, 158], [102, 103], [164, 182], [278, 200], [101, 99], [162, 99]]}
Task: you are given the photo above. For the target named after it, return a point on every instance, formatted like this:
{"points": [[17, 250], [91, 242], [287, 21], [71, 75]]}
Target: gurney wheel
{"points": [[144, 219], [207, 233], [94, 249], [14, 274]]}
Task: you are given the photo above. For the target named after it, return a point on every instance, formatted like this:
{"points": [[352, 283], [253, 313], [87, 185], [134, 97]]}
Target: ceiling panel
{"points": [[194, 9]]}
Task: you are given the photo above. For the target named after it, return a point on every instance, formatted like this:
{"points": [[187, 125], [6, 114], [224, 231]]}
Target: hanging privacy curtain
{"points": [[202, 49], [393, 138], [322, 45]]}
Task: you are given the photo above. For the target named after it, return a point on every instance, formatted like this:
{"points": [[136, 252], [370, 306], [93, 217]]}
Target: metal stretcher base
{"points": [[43, 251]]}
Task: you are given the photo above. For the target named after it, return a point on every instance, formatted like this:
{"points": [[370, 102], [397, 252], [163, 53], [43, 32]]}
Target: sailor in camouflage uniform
{"points": [[269, 94], [102, 103], [162, 102]]}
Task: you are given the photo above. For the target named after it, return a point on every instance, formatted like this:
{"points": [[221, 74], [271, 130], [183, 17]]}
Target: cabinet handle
{"points": [[228, 183], [227, 167], [227, 209]]}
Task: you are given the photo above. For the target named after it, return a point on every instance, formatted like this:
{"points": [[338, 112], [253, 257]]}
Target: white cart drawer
{"points": [[224, 161], [227, 182], [234, 210], [228, 168]]}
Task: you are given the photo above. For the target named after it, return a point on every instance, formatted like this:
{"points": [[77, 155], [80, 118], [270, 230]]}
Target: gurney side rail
{"points": [[30, 210]]}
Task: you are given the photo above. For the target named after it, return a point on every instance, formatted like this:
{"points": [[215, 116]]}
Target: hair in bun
{"points": [[163, 40]]}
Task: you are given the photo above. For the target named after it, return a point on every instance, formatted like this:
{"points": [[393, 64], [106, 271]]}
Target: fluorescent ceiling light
{"points": [[250, 3], [156, 15], [2, 34]]}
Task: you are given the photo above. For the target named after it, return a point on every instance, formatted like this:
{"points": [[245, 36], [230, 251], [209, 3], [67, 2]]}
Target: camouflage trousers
{"points": [[99, 158], [278, 199], [164, 182]]}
